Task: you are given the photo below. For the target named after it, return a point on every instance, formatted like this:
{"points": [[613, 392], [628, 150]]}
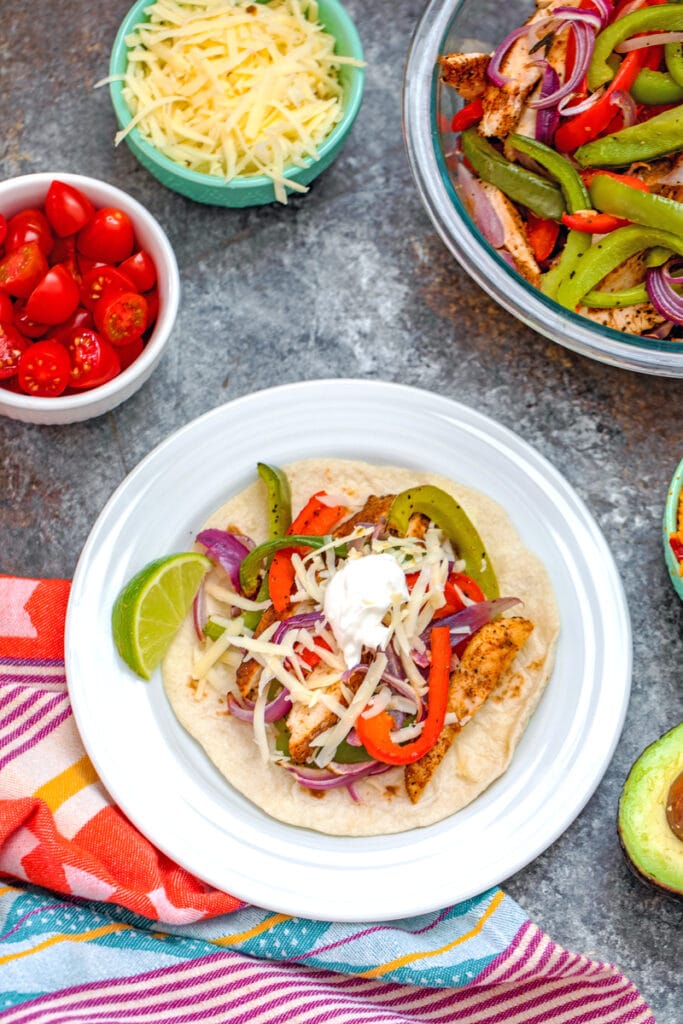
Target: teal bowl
{"points": [[670, 526], [248, 189]]}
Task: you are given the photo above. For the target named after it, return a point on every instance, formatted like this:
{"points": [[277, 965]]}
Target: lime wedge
{"points": [[150, 608]]}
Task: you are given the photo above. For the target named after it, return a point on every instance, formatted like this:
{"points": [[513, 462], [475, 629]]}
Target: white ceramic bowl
{"points": [[428, 107], [30, 190]]}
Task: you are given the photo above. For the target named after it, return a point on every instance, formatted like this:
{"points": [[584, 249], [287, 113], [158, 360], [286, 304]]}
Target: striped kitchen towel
{"points": [[98, 926]]}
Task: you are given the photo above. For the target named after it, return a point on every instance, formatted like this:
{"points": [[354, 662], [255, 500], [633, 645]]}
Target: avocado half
{"points": [[650, 818]]}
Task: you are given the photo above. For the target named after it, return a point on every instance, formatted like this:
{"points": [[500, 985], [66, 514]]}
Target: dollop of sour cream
{"points": [[356, 600]]}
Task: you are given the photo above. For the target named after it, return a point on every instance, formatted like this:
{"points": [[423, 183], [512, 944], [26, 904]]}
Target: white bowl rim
{"points": [[168, 310], [475, 256]]}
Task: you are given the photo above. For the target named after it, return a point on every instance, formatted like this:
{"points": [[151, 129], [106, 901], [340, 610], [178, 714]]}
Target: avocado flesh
{"points": [[652, 848]]}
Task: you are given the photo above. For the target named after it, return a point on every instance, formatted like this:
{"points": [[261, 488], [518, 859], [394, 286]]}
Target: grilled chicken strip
{"points": [[515, 237], [639, 319], [487, 657], [466, 73]]}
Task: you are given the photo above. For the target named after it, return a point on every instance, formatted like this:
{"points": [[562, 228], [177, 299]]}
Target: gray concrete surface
{"points": [[351, 280]]}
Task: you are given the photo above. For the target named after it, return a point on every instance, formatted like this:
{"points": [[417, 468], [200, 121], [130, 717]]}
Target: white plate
{"points": [[163, 781]]}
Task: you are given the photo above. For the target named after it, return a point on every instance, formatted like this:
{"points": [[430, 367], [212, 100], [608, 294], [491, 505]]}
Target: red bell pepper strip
{"points": [[457, 581], [468, 115], [315, 520], [593, 122], [592, 222], [589, 176], [375, 733], [541, 233], [676, 545]]}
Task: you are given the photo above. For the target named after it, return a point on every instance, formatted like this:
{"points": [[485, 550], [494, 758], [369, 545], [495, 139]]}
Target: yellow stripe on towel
{"points": [[411, 957], [63, 786]]}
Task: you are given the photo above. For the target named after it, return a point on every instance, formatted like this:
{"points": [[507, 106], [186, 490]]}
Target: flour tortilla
{"points": [[482, 750]]}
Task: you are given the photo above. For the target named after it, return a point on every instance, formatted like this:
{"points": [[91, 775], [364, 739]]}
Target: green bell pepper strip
{"points": [[647, 208], [539, 195], [656, 88], [673, 58], [445, 512], [661, 135], [573, 189], [576, 198], [279, 519], [251, 565], [610, 252], [663, 18], [279, 499], [616, 300]]}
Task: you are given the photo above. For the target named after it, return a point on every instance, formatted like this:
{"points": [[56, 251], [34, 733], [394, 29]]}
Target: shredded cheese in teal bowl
{"points": [[235, 102]]}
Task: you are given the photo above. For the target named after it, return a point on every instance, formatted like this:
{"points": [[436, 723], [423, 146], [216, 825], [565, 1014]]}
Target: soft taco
{"points": [[370, 665]]}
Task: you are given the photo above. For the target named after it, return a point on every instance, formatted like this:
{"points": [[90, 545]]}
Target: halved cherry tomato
{"points": [[25, 325], [93, 360], [103, 278], [108, 236], [29, 225], [141, 270], [129, 353], [121, 318], [12, 347], [80, 318], [21, 270], [3, 228], [6, 309], [44, 369], [54, 298], [152, 300], [67, 208]]}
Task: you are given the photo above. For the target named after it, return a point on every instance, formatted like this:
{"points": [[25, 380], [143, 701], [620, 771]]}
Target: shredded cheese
{"points": [[232, 87]]}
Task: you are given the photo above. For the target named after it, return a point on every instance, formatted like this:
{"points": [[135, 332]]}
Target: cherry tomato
{"points": [[21, 270], [3, 228], [54, 298], [103, 278], [141, 270], [44, 369], [108, 236], [12, 347], [29, 225], [121, 318], [80, 318], [129, 353], [6, 309], [93, 360], [64, 251], [25, 325], [67, 208]]}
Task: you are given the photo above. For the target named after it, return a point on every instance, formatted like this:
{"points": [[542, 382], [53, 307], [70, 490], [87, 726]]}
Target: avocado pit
{"points": [[674, 807]]}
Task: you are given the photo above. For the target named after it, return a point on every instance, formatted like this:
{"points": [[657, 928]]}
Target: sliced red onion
{"points": [[605, 9], [653, 39], [493, 70], [227, 549], [568, 107], [663, 297], [199, 611], [667, 271], [574, 15], [584, 41], [343, 775], [483, 214], [272, 712], [303, 621], [472, 618], [625, 102], [547, 117], [661, 332]]}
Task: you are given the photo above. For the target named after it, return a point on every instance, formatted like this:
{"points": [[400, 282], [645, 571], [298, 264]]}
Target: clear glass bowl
{"points": [[428, 107]]}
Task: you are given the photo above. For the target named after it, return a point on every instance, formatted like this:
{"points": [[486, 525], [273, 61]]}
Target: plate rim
{"points": [[280, 902]]}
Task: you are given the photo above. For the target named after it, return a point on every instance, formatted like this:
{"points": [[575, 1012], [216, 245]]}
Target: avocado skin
{"points": [[655, 857]]}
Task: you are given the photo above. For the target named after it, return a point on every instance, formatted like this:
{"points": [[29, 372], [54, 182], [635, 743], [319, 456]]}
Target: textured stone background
{"points": [[351, 280]]}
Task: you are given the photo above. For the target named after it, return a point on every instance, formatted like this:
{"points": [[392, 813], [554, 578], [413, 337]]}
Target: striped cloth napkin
{"points": [[96, 925]]}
